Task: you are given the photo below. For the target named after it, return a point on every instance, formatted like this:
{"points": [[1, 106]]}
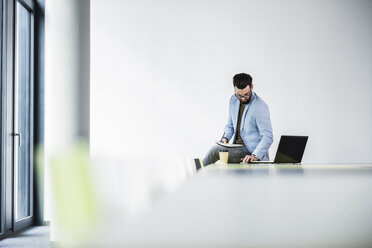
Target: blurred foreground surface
{"points": [[233, 206]]}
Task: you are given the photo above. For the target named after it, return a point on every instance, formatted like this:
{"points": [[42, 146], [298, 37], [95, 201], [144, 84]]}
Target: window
{"points": [[17, 114], [22, 113]]}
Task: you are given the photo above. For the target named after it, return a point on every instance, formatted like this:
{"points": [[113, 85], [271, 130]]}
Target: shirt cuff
{"points": [[258, 155]]}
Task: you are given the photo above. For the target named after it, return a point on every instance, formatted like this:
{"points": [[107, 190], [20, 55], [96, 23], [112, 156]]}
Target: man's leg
{"points": [[235, 154], [212, 155]]}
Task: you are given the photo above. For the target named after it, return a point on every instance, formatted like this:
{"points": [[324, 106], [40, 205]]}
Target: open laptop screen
{"points": [[290, 149]]}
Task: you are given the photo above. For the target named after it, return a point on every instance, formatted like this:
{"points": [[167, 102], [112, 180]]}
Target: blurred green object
{"points": [[76, 205]]}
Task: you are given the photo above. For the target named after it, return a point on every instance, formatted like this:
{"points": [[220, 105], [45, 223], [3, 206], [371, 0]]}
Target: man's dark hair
{"points": [[241, 80]]}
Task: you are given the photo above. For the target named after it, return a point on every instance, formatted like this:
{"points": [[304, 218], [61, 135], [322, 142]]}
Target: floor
{"points": [[34, 237]]}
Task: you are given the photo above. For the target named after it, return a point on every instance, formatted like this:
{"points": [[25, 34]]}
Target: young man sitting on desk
{"points": [[249, 123]]}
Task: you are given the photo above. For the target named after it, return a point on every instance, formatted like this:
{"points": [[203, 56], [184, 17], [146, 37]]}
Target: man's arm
{"points": [[229, 128], [264, 127]]}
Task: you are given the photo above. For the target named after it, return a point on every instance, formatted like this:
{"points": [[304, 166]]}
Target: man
{"points": [[248, 122]]}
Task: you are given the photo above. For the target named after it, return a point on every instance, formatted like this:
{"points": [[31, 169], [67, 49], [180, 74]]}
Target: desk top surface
{"points": [[308, 205]]}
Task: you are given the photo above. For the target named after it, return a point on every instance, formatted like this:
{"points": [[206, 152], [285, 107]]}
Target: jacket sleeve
{"points": [[264, 127], [229, 128]]}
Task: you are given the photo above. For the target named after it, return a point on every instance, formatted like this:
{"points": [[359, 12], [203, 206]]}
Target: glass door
{"points": [[23, 105], [6, 148], [16, 102]]}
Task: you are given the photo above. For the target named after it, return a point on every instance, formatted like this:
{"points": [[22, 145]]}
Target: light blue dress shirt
{"points": [[255, 128]]}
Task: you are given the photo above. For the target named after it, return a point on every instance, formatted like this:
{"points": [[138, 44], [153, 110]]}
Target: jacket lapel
{"points": [[236, 113]]}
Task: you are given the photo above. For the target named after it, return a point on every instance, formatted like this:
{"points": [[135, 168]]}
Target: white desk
{"points": [[262, 206]]}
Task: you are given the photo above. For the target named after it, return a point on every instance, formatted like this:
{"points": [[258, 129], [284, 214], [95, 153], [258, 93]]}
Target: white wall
{"points": [[66, 73], [161, 74]]}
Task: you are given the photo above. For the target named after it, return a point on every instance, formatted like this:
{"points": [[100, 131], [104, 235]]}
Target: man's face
{"points": [[245, 94]]}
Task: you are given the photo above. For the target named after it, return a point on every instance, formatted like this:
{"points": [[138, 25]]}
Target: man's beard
{"points": [[245, 101]]}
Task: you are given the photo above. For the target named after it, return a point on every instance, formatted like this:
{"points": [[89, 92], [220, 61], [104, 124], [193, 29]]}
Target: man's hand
{"points": [[249, 158], [224, 140]]}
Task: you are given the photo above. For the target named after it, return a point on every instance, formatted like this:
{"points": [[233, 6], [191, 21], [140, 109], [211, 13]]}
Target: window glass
{"points": [[22, 89]]}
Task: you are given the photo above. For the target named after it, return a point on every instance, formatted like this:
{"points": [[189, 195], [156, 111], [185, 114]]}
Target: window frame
{"points": [[8, 224]]}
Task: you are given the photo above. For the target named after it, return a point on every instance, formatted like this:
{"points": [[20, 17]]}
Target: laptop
{"points": [[290, 150]]}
